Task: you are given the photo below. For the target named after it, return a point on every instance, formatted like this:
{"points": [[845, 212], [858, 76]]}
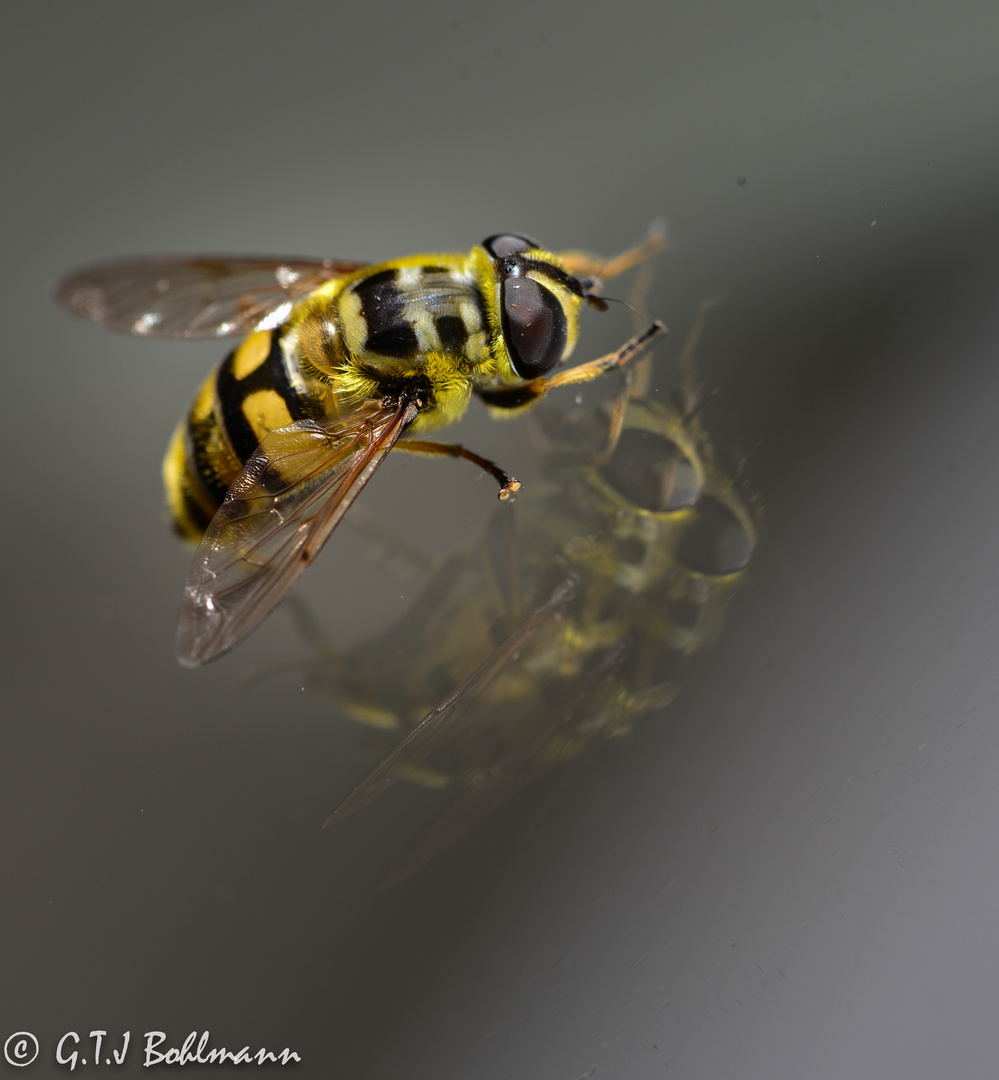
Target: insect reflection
{"points": [[548, 636]]}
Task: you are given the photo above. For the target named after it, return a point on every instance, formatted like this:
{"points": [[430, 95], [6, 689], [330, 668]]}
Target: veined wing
{"points": [[524, 760], [276, 516], [205, 297], [443, 722]]}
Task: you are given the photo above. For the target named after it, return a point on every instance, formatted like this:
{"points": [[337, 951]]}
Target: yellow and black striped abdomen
{"points": [[255, 390]]}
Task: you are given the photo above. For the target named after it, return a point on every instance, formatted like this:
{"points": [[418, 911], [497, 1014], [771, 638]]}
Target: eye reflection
{"points": [[652, 472]]}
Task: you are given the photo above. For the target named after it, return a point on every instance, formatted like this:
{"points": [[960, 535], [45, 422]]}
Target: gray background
{"points": [[792, 873]]}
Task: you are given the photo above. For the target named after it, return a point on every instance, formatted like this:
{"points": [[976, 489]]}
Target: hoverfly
{"points": [[539, 642], [340, 361]]}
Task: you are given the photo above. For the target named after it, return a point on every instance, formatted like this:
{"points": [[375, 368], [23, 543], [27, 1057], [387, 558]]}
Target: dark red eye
{"points": [[503, 245], [534, 327]]}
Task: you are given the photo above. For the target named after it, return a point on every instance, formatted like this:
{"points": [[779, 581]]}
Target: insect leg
{"points": [[688, 395], [519, 397], [508, 486], [583, 264], [621, 403], [692, 399], [638, 377], [595, 368]]}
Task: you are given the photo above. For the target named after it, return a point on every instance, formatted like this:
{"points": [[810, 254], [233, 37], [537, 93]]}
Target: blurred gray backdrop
{"points": [[790, 873]]}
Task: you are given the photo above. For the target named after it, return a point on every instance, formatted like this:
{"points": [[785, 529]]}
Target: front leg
{"points": [[519, 397]]}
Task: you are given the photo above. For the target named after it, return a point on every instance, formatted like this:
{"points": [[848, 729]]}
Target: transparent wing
{"points": [[208, 297], [447, 719], [276, 516], [523, 762]]}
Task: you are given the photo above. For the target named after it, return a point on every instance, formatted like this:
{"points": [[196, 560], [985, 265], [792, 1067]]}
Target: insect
{"points": [[341, 361], [539, 642]]}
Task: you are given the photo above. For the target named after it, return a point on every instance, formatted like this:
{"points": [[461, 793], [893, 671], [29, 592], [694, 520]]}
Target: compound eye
{"points": [[652, 472], [503, 245], [534, 327]]}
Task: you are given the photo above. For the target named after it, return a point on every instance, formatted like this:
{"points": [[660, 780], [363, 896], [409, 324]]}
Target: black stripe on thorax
{"points": [[452, 332], [384, 310]]}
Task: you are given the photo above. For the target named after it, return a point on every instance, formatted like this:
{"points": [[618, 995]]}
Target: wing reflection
{"points": [[571, 619]]}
